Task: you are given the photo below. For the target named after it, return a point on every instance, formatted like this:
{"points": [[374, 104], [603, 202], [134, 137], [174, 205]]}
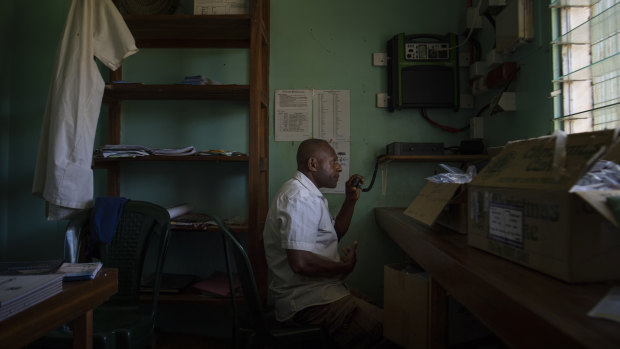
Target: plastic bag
{"points": [[454, 175], [604, 175]]}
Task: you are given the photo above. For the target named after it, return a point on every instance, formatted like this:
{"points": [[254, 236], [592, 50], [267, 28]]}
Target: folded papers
{"points": [[131, 150]]}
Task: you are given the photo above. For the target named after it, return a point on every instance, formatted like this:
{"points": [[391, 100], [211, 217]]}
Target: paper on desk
{"points": [[609, 306]]}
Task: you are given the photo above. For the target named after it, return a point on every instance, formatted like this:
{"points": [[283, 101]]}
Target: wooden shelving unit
{"points": [[249, 31]]}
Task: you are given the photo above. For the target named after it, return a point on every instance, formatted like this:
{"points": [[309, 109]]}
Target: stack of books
{"points": [[79, 271], [19, 292], [30, 267], [24, 284]]}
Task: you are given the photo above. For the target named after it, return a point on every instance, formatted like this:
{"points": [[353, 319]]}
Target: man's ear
{"points": [[313, 164]]}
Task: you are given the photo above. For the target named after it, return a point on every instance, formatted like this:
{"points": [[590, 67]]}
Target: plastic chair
{"points": [[261, 329], [120, 322]]}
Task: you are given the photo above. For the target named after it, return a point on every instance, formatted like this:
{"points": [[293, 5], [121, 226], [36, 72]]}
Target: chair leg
{"points": [[245, 339]]}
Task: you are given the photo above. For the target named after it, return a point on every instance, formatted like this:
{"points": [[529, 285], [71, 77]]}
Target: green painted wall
{"points": [[317, 44], [328, 45], [5, 107], [30, 35]]}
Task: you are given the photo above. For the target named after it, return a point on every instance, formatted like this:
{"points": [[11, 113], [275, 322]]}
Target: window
{"points": [[586, 64]]}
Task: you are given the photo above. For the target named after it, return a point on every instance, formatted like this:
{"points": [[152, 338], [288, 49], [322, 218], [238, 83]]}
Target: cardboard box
{"points": [[520, 208], [405, 306], [441, 203], [221, 7], [454, 213]]}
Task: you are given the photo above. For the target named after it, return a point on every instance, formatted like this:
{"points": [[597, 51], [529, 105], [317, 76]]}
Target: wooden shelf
{"points": [[175, 92], [186, 31], [100, 162], [189, 295], [251, 32], [523, 307], [433, 158]]}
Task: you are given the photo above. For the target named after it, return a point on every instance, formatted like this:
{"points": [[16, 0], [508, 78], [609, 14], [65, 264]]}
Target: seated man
{"points": [[301, 245]]}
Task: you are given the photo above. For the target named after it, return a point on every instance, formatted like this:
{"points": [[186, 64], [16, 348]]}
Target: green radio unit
{"points": [[423, 71]]}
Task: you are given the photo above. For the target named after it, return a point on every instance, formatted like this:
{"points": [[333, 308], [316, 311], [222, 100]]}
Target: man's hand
{"points": [[352, 194], [353, 187]]}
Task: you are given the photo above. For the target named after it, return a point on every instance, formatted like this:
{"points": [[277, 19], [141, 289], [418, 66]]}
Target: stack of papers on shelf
{"points": [[175, 151], [192, 221], [19, 292], [79, 271], [199, 80], [30, 267], [219, 152], [123, 150], [129, 150]]}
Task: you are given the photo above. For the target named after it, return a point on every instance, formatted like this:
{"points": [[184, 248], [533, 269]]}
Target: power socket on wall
{"points": [[379, 59], [382, 100]]}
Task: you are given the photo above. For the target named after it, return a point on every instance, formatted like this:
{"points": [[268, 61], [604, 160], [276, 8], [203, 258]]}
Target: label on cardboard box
{"points": [[506, 224]]}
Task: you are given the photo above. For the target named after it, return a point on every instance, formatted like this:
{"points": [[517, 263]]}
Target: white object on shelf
{"points": [[179, 210], [221, 7]]}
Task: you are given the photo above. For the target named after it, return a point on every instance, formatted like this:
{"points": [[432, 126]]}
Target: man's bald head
{"points": [[319, 162], [308, 149]]}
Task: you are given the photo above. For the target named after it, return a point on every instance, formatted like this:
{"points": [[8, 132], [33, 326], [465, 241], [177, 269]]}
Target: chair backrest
{"points": [[140, 224], [235, 251]]}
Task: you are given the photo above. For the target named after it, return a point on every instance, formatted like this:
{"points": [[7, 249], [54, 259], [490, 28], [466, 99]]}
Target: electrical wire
{"points": [[510, 80], [423, 111], [374, 174], [471, 29], [443, 127], [482, 109]]}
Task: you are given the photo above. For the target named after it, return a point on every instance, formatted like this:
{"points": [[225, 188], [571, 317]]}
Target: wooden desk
{"points": [[523, 307], [74, 304]]}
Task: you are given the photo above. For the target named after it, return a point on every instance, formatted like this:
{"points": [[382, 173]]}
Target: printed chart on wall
{"points": [[331, 121], [325, 114]]}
